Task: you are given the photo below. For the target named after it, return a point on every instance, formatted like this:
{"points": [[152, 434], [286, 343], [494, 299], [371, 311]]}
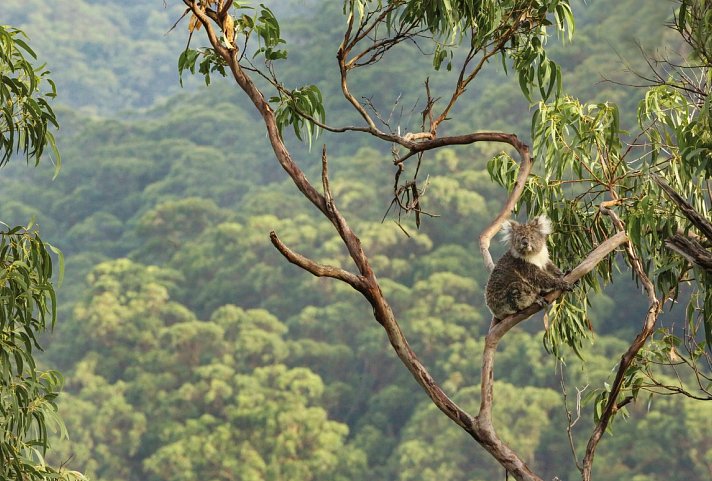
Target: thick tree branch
{"points": [[704, 226], [691, 250], [686, 246], [352, 243]]}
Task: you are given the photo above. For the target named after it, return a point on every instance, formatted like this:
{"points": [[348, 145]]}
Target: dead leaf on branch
{"points": [[228, 28], [194, 24]]}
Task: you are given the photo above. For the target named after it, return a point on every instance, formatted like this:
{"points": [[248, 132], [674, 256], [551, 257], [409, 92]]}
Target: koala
{"points": [[524, 273]]}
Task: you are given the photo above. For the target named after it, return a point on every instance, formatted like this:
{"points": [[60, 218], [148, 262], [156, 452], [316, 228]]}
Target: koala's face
{"points": [[527, 239]]}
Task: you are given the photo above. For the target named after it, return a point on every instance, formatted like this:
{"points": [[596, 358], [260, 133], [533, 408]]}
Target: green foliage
{"points": [[28, 302], [159, 394], [162, 228], [662, 422], [27, 394], [518, 30], [676, 119], [268, 431], [588, 178], [25, 115], [694, 22], [100, 414], [300, 108], [267, 28], [211, 62]]}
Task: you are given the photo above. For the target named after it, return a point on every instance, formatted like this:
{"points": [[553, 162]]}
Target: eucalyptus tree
{"points": [[596, 184], [28, 305]]}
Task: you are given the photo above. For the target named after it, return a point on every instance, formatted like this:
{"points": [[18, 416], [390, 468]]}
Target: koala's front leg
{"points": [[547, 282], [553, 270]]}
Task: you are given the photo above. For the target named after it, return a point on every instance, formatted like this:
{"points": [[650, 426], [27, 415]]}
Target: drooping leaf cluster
{"points": [[28, 307], [25, 114]]}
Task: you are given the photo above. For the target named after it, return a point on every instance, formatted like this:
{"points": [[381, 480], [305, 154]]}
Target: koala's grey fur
{"points": [[524, 273]]}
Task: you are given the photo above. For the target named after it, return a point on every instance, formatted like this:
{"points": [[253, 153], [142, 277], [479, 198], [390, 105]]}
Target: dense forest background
{"points": [[192, 350]]}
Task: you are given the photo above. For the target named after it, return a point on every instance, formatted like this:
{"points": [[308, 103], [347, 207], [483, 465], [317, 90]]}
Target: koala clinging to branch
{"points": [[524, 273]]}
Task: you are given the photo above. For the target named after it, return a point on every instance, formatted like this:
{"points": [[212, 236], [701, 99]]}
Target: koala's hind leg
{"points": [[521, 295]]}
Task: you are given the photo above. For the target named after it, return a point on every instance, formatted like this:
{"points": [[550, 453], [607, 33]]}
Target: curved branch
{"points": [[353, 244], [525, 168], [341, 57], [318, 270]]}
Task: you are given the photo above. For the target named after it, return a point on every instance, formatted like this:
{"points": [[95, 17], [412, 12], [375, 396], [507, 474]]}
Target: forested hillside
{"points": [[193, 351]]}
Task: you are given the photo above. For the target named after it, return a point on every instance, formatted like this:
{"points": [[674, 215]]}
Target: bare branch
{"points": [[571, 421], [325, 180], [318, 270], [464, 79], [654, 309]]}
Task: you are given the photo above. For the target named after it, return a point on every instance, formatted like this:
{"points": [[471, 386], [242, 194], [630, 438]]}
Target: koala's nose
{"points": [[525, 243]]}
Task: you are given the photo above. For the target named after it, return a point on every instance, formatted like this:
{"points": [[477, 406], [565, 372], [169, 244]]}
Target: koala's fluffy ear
{"points": [[507, 227], [543, 223]]}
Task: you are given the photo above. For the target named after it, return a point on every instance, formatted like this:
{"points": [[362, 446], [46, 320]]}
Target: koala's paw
{"points": [[541, 302]]}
